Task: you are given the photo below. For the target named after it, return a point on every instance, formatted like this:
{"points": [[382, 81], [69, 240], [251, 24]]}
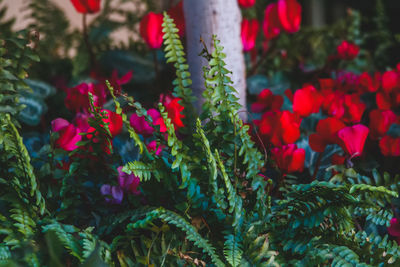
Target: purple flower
{"points": [[113, 194], [128, 182]]}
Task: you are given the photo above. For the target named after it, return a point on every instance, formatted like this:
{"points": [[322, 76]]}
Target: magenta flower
{"points": [[128, 182], [140, 124], [152, 146], [68, 134], [394, 229]]}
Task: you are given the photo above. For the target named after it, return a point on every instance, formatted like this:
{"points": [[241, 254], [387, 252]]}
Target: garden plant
{"points": [[106, 159]]}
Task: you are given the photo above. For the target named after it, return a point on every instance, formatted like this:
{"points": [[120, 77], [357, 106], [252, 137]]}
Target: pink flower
{"points": [[249, 33], [140, 124], [347, 50], [353, 139], [151, 29], [81, 121], [289, 12], [128, 182], [152, 146], [289, 158], [113, 194], [68, 134]]}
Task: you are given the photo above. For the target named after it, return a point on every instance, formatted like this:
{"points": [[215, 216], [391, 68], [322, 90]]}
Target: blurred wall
{"points": [[17, 9]]}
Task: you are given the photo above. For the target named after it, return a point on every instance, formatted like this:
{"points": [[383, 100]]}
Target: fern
{"points": [[140, 169], [191, 232], [131, 131], [233, 249], [175, 54]]}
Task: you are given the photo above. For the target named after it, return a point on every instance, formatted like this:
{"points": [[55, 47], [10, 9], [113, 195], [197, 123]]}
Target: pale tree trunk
{"points": [[223, 18]]}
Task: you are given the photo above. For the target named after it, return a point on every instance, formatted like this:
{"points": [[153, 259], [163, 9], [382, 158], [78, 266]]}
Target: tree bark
{"points": [[205, 18]]}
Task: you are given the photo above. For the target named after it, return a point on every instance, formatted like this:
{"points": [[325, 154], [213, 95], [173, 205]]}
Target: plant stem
{"points": [[155, 61], [86, 40], [317, 166]]}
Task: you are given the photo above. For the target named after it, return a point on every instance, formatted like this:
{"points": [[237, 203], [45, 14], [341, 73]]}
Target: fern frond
{"points": [[233, 249], [235, 201], [190, 231], [175, 54], [141, 170], [132, 132]]}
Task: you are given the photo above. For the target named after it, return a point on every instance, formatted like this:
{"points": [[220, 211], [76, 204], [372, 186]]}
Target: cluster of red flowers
{"points": [[340, 101], [284, 15], [151, 25], [77, 100]]}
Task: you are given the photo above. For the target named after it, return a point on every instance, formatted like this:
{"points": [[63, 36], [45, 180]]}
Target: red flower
{"points": [[390, 146], [271, 24], [140, 124], [327, 84], [174, 110], [86, 6], [249, 33], [68, 134], [77, 97], [369, 83], [114, 122], [289, 12], [353, 139], [380, 122], [306, 100], [151, 30], [280, 127], [267, 101], [176, 12], [353, 108], [347, 50], [117, 82], [289, 158], [387, 100], [246, 3], [327, 130], [390, 81], [338, 159], [78, 100]]}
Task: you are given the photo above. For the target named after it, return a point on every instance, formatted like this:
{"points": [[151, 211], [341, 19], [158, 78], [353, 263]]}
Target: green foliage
{"points": [[175, 54], [202, 200], [15, 58]]}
